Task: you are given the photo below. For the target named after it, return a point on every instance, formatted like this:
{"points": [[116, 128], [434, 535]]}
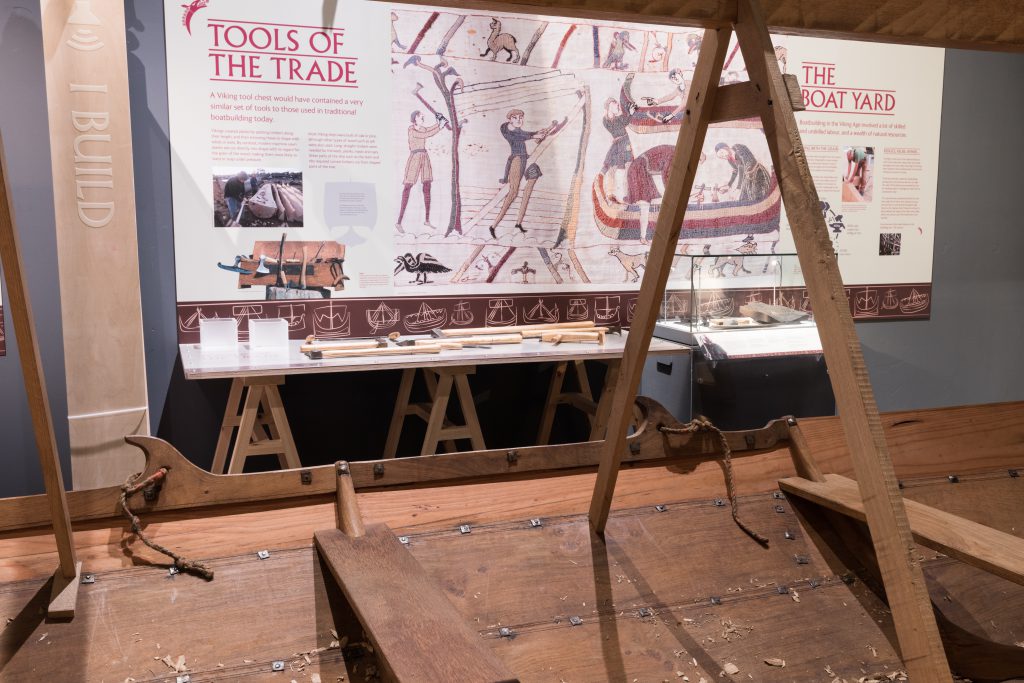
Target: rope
{"points": [[702, 424], [132, 486]]}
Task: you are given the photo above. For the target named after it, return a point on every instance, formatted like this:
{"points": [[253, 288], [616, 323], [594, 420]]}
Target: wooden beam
{"points": [[35, 382], [963, 24], [975, 544], [916, 629], [416, 630], [699, 105]]}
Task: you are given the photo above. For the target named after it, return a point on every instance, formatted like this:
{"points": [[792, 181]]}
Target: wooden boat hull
{"points": [[769, 602]]}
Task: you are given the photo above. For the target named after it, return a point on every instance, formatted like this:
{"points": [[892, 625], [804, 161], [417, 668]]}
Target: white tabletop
{"points": [[242, 361]]}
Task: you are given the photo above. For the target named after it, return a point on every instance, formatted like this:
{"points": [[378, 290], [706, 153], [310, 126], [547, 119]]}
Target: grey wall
{"points": [[967, 353], [970, 350], [23, 126]]}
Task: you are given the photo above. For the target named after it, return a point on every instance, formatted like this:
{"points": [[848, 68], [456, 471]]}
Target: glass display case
{"points": [[711, 292]]}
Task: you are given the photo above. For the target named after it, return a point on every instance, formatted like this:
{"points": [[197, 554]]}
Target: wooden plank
{"points": [[32, 370], [419, 635], [699, 105], [94, 205], [919, 638], [547, 418], [232, 419], [401, 410], [963, 24], [64, 594], [925, 442], [975, 544]]}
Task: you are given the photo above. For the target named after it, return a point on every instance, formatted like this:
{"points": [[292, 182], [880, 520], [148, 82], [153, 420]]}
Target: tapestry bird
{"points": [[421, 265]]}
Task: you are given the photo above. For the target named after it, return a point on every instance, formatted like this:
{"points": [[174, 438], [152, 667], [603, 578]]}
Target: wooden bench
{"points": [[418, 633], [975, 544]]}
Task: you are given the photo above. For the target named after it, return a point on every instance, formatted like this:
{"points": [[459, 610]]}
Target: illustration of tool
{"points": [[235, 268]]}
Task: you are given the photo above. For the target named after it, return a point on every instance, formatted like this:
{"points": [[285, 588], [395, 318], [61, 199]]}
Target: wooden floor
{"points": [[785, 602]]}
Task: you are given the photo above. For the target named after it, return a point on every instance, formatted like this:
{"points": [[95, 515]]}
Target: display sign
{"points": [[402, 168]]}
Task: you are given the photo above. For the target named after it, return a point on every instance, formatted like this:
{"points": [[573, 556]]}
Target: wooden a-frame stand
{"points": [[767, 95], [64, 593]]}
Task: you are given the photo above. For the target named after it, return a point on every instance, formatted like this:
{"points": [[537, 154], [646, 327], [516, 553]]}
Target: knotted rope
{"points": [[132, 486], [702, 424]]}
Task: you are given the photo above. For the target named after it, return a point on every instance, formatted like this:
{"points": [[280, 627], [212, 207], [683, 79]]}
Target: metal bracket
{"points": [[378, 470], [343, 468], [263, 554], [575, 621], [718, 503], [780, 509], [277, 665], [505, 632], [512, 457], [645, 612], [749, 438], [306, 477], [1013, 474], [88, 578], [953, 479], [661, 508], [778, 495], [788, 535], [404, 540], [183, 678], [716, 600], [782, 590], [465, 528], [802, 559], [172, 572], [536, 523], [813, 583]]}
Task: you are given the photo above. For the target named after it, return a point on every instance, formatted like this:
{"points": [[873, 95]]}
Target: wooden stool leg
{"points": [[430, 377], [604, 406], [437, 414], [248, 423], [401, 410], [583, 381], [476, 435], [289, 456], [547, 418], [231, 420]]}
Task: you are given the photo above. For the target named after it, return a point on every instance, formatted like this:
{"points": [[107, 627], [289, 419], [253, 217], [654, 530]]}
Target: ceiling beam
{"points": [[966, 24]]}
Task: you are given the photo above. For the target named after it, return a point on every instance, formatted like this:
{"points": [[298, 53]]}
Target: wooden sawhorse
{"points": [[582, 399], [440, 382], [261, 423]]}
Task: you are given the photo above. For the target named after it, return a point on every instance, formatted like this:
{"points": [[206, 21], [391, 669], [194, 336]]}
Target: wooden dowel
{"points": [[337, 346], [471, 331], [389, 351], [349, 519], [540, 332], [32, 369], [480, 340], [803, 461], [577, 337]]}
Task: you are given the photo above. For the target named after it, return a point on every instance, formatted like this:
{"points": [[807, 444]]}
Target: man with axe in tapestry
{"points": [[417, 166]]}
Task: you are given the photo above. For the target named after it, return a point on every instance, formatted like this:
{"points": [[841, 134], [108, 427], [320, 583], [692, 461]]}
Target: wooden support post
{"points": [[803, 461], [916, 630], [440, 384], [65, 582], [699, 106], [349, 519]]}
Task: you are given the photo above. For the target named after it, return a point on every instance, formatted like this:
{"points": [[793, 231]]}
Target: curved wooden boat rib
{"points": [[703, 221]]}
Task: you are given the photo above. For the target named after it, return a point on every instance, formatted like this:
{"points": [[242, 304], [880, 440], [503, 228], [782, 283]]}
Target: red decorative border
{"points": [[343, 318]]}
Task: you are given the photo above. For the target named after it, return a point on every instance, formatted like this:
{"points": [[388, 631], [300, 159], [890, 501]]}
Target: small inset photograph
{"points": [[859, 177], [889, 244], [257, 198]]}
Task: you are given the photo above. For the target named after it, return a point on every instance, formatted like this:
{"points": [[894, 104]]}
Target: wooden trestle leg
{"points": [[64, 592], [918, 635]]}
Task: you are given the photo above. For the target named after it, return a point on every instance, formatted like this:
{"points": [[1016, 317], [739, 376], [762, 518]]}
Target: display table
{"points": [[254, 404]]}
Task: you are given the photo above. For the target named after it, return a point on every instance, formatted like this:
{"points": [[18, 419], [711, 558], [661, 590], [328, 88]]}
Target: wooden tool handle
{"points": [[338, 346], [388, 351], [541, 331], [473, 331], [481, 340]]}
